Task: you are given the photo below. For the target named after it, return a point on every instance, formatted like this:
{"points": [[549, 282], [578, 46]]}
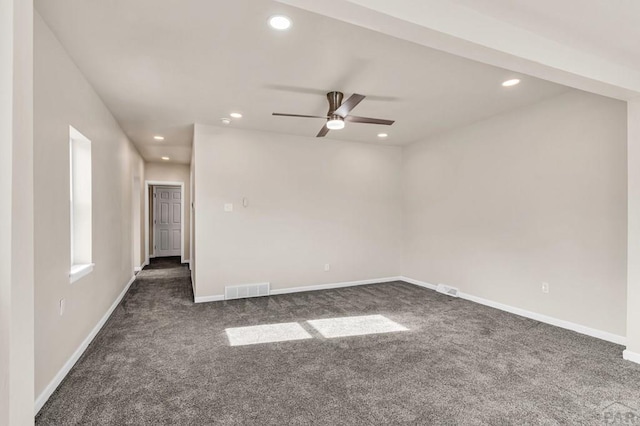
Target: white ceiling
{"points": [[609, 29], [162, 65]]}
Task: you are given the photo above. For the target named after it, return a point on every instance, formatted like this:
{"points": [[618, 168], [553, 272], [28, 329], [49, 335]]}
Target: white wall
{"points": [[63, 97], [6, 187], [310, 202], [137, 228], [536, 195], [169, 172], [633, 265], [192, 219], [16, 212]]}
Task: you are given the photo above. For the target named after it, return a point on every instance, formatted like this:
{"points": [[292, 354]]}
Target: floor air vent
{"points": [[445, 289], [246, 290]]}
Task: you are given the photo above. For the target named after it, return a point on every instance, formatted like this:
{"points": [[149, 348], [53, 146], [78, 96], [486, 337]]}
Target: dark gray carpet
{"points": [[161, 359]]}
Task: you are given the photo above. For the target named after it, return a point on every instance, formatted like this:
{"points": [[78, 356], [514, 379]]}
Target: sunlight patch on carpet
{"points": [[355, 326], [266, 333]]}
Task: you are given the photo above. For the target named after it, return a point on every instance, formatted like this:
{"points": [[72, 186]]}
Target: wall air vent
{"points": [[445, 289], [246, 290]]}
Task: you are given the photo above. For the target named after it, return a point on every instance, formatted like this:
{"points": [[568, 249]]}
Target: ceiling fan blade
{"points": [[296, 89], [298, 115], [349, 104], [323, 132], [367, 120]]}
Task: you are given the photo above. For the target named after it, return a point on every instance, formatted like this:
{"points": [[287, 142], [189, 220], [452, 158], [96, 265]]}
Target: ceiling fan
{"points": [[339, 113]]}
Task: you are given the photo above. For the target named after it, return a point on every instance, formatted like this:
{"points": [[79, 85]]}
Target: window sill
{"points": [[79, 271]]}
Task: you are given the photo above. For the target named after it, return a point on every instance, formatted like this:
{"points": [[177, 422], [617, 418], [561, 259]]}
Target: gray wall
{"points": [[535, 195], [310, 202]]}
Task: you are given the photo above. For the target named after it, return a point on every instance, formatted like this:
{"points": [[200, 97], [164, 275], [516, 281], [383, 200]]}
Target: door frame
{"points": [[148, 184], [136, 228]]}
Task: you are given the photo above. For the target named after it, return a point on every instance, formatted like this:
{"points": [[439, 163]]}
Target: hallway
{"points": [[129, 360]]}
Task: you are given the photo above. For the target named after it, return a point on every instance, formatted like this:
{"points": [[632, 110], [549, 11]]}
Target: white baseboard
{"points": [[631, 356], [599, 334], [332, 285], [278, 291], [141, 267], [418, 283], [55, 382], [214, 298]]}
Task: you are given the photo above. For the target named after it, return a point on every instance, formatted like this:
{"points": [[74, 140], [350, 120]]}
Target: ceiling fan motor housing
{"points": [[335, 100]]}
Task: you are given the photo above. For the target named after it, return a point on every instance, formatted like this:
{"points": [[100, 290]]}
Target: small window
{"points": [[80, 203]]}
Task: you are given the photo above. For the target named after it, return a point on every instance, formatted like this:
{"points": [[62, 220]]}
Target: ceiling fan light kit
{"points": [[339, 112], [335, 122]]}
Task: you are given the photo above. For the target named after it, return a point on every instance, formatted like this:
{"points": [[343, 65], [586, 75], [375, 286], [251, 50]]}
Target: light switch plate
{"points": [[228, 207]]}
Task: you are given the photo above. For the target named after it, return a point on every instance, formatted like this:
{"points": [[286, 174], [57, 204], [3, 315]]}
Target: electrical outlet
{"points": [[62, 304], [545, 287], [228, 207], [327, 267]]}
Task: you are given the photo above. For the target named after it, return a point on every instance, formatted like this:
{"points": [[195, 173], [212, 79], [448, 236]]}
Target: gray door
{"points": [[167, 221]]}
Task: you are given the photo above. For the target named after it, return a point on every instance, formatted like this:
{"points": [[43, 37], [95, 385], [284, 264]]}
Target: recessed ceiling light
{"points": [[225, 120], [280, 22], [236, 115], [511, 82], [382, 135], [159, 138], [166, 158]]}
